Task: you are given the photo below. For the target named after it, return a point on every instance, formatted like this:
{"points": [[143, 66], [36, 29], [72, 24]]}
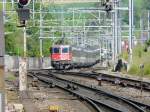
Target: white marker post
{"points": [[22, 74], [23, 66]]}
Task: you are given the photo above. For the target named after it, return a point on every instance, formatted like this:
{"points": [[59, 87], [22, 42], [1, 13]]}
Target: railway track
{"points": [[95, 96], [89, 101], [125, 82], [27, 102]]}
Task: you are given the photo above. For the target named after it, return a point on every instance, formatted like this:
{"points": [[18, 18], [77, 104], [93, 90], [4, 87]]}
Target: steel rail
{"points": [[94, 75], [95, 102], [94, 105], [89, 101], [127, 102], [106, 77], [109, 94]]}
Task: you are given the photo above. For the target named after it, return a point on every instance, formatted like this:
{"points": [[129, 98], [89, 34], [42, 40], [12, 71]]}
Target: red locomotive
{"points": [[61, 56]]}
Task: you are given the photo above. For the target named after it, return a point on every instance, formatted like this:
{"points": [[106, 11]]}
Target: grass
{"points": [[10, 77], [140, 57]]}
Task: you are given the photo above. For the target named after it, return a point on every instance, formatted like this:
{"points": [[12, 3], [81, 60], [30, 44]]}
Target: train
{"points": [[62, 58]]}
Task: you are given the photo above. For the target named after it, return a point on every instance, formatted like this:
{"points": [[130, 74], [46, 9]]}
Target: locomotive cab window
{"points": [[55, 50], [65, 50]]}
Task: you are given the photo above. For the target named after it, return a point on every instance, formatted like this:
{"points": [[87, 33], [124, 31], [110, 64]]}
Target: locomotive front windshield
{"points": [[65, 50], [56, 50]]}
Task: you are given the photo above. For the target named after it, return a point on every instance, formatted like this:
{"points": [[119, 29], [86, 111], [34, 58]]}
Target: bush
{"points": [[133, 70], [136, 70], [139, 54], [124, 55], [147, 69]]}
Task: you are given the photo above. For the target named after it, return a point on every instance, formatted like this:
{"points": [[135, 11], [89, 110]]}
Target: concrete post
{"points": [[41, 54], [22, 74], [23, 67]]}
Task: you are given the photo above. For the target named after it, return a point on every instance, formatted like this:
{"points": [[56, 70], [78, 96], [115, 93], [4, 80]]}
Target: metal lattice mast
{"points": [[41, 31], [119, 29], [2, 65], [4, 9], [116, 28], [33, 12], [148, 24], [113, 40], [130, 30]]}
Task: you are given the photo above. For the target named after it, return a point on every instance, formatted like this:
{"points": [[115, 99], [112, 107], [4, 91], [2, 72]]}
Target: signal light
{"points": [[108, 7], [23, 15], [23, 3]]}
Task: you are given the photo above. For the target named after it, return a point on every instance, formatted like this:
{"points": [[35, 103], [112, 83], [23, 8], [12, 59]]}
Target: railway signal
{"points": [[23, 13], [107, 4], [23, 16], [22, 3]]}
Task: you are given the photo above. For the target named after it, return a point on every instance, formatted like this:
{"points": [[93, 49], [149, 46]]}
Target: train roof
{"points": [[61, 46]]}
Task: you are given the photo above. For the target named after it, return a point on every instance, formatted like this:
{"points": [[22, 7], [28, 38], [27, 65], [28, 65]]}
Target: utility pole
{"points": [[130, 30], [33, 12], [2, 52], [41, 40], [113, 39], [41, 47], [100, 44], [84, 35], [25, 42], [41, 20], [148, 24], [4, 7], [141, 28], [114, 31], [62, 21], [119, 29], [73, 23], [116, 28]]}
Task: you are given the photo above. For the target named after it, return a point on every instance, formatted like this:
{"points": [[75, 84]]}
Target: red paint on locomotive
{"points": [[61, 53], [55, 57]]}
